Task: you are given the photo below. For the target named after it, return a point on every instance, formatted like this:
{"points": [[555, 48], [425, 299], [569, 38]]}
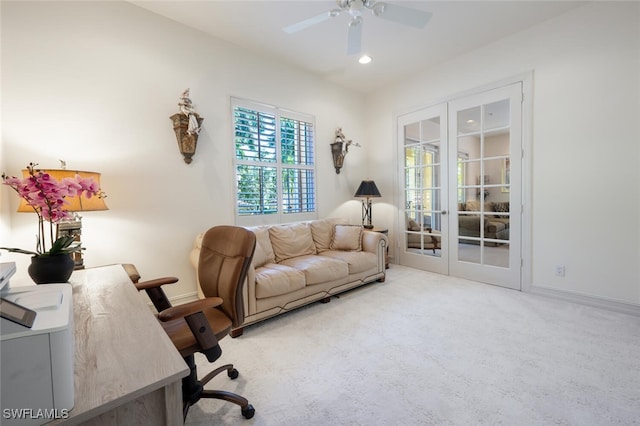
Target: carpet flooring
{"points": [[427, 349]]}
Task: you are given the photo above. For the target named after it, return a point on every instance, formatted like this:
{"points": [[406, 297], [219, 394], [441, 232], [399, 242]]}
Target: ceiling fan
{"points": [[400, 14]]}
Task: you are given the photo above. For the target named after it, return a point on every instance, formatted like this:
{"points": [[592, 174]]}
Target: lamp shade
{"points": [[367, 189], [76, 204]]}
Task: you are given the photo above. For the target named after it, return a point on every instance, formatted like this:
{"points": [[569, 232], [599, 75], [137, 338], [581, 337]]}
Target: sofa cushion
{"points": [[319, 269], [264, 252], [273, 280], [358, 261], [347, 237], [291, 241], [322, 233], [413, 226]]}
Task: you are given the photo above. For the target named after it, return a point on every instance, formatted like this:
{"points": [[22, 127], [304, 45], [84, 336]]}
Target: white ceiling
{"points": [[456, 27]]}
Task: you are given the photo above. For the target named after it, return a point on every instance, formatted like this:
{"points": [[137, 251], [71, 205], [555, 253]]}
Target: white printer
{"points": [[37, 362]]}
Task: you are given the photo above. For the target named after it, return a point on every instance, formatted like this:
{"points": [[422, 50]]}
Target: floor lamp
{"points": [[366, 191]]}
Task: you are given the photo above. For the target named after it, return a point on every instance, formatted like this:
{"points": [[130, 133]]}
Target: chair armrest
{"points": [[189, 308], [193, 314], [156, 283]]}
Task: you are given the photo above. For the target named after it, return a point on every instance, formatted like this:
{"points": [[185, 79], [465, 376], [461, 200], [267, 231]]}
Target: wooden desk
{"points": [[127, 370]]}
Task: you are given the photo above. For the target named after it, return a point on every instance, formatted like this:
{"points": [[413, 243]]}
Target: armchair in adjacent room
{"points": [[198, 326]]}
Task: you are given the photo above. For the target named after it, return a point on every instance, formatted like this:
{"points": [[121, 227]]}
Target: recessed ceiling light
{"points": [[364, 59]]}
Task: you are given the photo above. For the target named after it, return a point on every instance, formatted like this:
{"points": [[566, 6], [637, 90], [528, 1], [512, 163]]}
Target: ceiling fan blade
{"points": [[354, 38], [402, 15], [310, 21]]}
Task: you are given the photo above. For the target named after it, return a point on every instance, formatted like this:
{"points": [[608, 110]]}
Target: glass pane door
{"points": [[424, 170], [485, 136]]}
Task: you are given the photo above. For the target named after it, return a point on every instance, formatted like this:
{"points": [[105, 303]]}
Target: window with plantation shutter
{"points": [[274, 164]]}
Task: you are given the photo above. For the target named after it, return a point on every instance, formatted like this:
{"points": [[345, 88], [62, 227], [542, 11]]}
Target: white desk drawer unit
{"points": [[38, 362]]}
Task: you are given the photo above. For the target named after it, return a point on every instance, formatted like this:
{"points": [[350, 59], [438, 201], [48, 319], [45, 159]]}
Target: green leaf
{"points": [[63, 245], [19, 250]]}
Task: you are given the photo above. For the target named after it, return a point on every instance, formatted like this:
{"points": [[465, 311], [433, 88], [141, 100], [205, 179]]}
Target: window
{"points": [[274, 164]]}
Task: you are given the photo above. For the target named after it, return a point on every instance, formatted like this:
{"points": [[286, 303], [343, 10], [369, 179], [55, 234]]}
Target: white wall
{"points": [[585, 204], [94, 83]]}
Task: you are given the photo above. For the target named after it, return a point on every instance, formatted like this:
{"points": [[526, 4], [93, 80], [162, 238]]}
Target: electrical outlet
{"points": [[560, 271]]}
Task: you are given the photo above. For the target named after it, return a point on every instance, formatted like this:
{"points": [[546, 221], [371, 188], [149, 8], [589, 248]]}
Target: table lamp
{"points": [[366, 191], [76, 204]]}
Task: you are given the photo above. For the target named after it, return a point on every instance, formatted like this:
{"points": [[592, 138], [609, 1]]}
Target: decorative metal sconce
{"points": [[187, 124], [339, 149]]}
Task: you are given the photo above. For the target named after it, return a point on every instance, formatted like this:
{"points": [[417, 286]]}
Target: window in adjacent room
{"points": [[274, 164]]}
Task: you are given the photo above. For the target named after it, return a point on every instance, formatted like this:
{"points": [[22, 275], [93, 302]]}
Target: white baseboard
{"points": [[179, 299], [184, 298], [598, 302]]}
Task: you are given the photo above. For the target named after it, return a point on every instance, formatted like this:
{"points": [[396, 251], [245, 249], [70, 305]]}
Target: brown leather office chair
{"points": [[198, 326]]}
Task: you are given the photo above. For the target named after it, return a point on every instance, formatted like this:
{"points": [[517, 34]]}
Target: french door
{"points": [[461, 198], [423, 136]]}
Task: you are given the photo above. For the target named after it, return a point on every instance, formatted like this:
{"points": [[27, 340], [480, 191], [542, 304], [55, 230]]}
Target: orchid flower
{"points": [[47, 198]]}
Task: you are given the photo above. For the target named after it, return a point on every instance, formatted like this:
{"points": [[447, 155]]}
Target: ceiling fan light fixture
{"points": [[364, 59], [355, 7], [378, 9], [415, 18]]}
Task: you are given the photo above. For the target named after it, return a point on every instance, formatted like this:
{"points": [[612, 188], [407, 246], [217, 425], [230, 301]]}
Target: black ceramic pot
{"points": [[51, 269]]}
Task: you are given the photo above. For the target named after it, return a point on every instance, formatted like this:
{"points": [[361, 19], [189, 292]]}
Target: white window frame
{"points": [[280, 216]]}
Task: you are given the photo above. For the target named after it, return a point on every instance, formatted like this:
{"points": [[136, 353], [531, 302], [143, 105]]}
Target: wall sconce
{"points": [[367, 190], [186, 125], [339, 149]]}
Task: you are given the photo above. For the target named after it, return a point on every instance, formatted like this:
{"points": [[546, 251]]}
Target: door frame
{"points": [[526, 78]]}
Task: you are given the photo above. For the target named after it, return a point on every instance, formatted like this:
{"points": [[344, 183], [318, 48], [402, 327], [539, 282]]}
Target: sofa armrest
{"points": [[494, 226], [194, 255], [373, 241], [249, 292]]}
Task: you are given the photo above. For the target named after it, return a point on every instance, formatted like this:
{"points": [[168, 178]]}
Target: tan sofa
{"points": [[300, 263]]}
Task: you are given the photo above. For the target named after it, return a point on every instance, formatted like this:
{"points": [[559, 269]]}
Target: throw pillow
{"points": [[322, 231], [264, 252], [472, 206], [413, 225], [291, 240], [500, 207], [347, 237]]}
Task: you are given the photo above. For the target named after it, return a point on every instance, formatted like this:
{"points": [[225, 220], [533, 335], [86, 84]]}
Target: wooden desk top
{"points": [[121, 351]]}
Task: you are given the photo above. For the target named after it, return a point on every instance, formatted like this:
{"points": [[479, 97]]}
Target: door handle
{"points": [[443, 212]]}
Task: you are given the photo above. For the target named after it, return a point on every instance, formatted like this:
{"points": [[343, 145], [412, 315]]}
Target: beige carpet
{"points": [[426, 349]]}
